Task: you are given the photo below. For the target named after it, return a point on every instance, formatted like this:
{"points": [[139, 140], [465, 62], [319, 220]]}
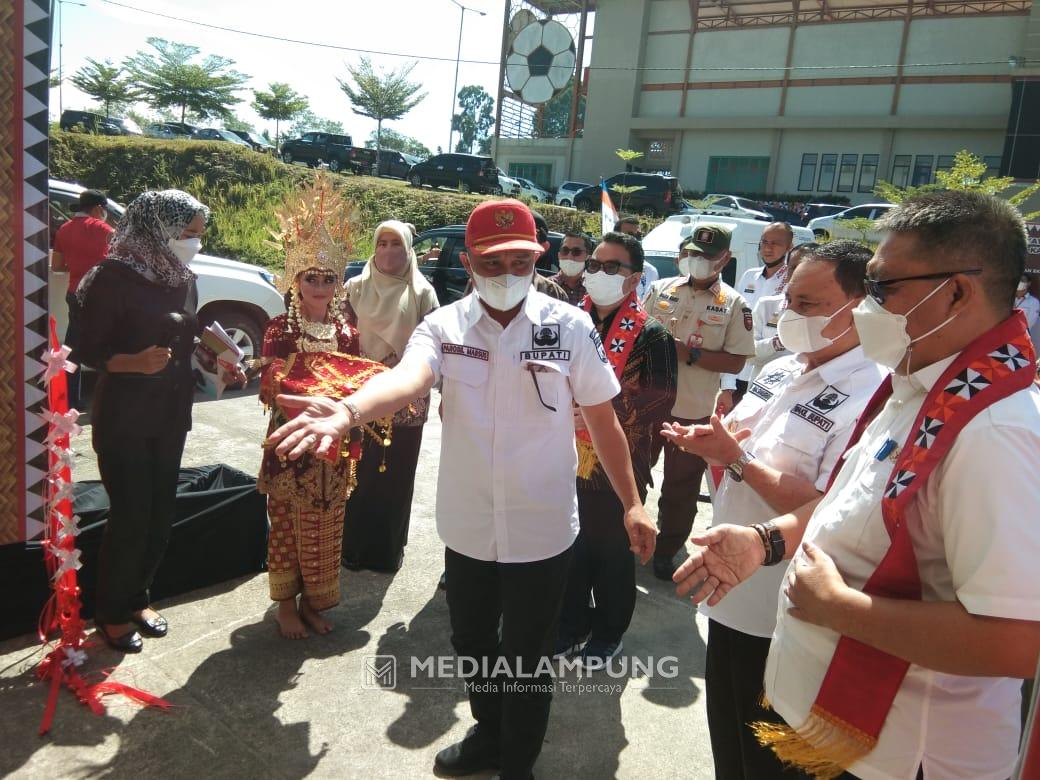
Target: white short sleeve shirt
{"points": [[975, 535], [800, 423], [506, 484], [752, 286]]}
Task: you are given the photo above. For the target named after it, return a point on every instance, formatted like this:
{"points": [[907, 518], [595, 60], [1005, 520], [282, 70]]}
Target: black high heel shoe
{"points": [[155, 628], [130, 642]]}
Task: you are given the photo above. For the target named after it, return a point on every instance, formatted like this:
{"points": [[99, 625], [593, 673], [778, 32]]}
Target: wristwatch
{"points": [[736, 468], [773, 541], [695, 355]]}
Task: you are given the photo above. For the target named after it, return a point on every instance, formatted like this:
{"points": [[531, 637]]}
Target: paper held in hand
{"points": [[217, 359]]}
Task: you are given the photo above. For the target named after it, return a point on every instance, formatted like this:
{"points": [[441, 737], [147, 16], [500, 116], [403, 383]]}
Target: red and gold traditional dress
{"points": [[305, 497]]}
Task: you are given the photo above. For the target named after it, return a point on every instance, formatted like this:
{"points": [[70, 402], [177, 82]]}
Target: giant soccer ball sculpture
{"points": [[540, 61]]}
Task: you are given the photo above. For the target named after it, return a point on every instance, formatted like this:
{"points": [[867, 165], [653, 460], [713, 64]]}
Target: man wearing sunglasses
{"points": [[711, 325], [512, 362], [910, 611], [642, 354], [574, 251]]}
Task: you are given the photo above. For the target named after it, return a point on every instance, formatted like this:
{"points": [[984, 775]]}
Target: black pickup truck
{"points": [[338, 151]]}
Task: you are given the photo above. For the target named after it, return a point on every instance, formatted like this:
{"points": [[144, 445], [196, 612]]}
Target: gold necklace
{"points": [[317, 336]]}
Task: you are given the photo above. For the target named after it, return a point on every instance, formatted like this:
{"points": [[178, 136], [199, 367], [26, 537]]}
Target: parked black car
{"points": [[438, 252], [466, 172], [256, 141], [96, 123], [337, 151], [659, 196], [396, 164]]}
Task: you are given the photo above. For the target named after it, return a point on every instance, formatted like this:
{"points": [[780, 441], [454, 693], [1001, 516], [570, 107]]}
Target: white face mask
{"points": [[697, 267], [572, 267], [1022, 290], [603, 288], [803, 335], [185, 248], [883, 335], [502, 292]]}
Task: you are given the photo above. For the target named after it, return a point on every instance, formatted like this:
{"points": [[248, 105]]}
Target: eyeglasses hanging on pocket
{"points": [[536, 367]]}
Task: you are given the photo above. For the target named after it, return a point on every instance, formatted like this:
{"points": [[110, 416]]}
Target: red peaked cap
{"points": [[500, 226]]}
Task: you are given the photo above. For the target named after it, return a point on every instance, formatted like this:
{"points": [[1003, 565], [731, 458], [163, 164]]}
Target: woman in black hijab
{"points": [[138, 329]]}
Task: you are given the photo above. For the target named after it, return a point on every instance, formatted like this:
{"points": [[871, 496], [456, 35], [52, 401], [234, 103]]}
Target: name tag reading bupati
{"points": [[465, 351]]}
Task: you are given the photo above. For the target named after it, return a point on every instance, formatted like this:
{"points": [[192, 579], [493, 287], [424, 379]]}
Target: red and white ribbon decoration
{"points": [[61, 557]]}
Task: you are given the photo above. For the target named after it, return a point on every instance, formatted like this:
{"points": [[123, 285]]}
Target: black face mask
{"points": [[775, 263]]}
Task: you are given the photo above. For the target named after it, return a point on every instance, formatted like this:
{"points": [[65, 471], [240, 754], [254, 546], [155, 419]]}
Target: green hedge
{"points": [[243, 188]]}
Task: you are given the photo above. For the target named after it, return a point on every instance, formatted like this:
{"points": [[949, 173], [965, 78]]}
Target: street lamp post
{"points": [[458, 56], [61, 72]]}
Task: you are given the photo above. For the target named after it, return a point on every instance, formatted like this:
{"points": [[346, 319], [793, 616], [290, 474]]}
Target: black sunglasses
{"points": [[876, 287], [610, 267], [320, 279], [572, 250]]}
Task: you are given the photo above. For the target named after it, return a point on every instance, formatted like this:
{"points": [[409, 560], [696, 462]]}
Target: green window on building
{"points": [[737, 174], [539, 173], [828, 166], [868, 173], [901, 170]]}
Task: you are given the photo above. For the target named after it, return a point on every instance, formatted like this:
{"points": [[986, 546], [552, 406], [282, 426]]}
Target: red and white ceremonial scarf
{"points": [[861, 682], [624, 330]]}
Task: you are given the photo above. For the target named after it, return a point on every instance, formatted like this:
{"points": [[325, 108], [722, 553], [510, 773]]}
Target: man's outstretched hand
{"points": [[725, 556], [317, 425]]}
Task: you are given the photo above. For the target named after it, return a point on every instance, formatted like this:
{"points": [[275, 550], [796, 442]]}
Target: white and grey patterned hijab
{"points": [[150, 221]]}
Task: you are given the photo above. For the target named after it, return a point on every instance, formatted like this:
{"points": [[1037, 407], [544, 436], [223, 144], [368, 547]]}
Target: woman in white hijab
{"points": [[389, 299]]}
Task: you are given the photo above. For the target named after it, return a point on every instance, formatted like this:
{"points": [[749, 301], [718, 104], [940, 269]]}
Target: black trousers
{"points": [[526, 597], [677, 507], [375, 524], [734, 668], [140, 476], [72, 341], [601, 564]]}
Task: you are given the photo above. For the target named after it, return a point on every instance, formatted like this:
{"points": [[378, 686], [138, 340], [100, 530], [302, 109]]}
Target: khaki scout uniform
{"points": [[716, 319]]}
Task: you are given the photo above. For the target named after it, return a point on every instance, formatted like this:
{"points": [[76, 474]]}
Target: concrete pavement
{"points": [[248, 704]]}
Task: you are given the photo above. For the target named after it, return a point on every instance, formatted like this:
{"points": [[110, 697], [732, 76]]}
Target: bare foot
{"points": [[313, 618], [289, 624]]}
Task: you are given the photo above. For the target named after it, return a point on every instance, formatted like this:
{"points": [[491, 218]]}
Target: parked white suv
{"points": [[240, 296], [833, 226], [510, 186], [565, 192]]}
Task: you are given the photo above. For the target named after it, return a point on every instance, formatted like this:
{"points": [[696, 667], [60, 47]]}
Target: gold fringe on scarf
{"points": [[587, 460], [824, 746]]}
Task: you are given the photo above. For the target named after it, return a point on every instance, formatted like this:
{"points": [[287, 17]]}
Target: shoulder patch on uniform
{"points": [[747, 317], [598, 342], [758, 390]]}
